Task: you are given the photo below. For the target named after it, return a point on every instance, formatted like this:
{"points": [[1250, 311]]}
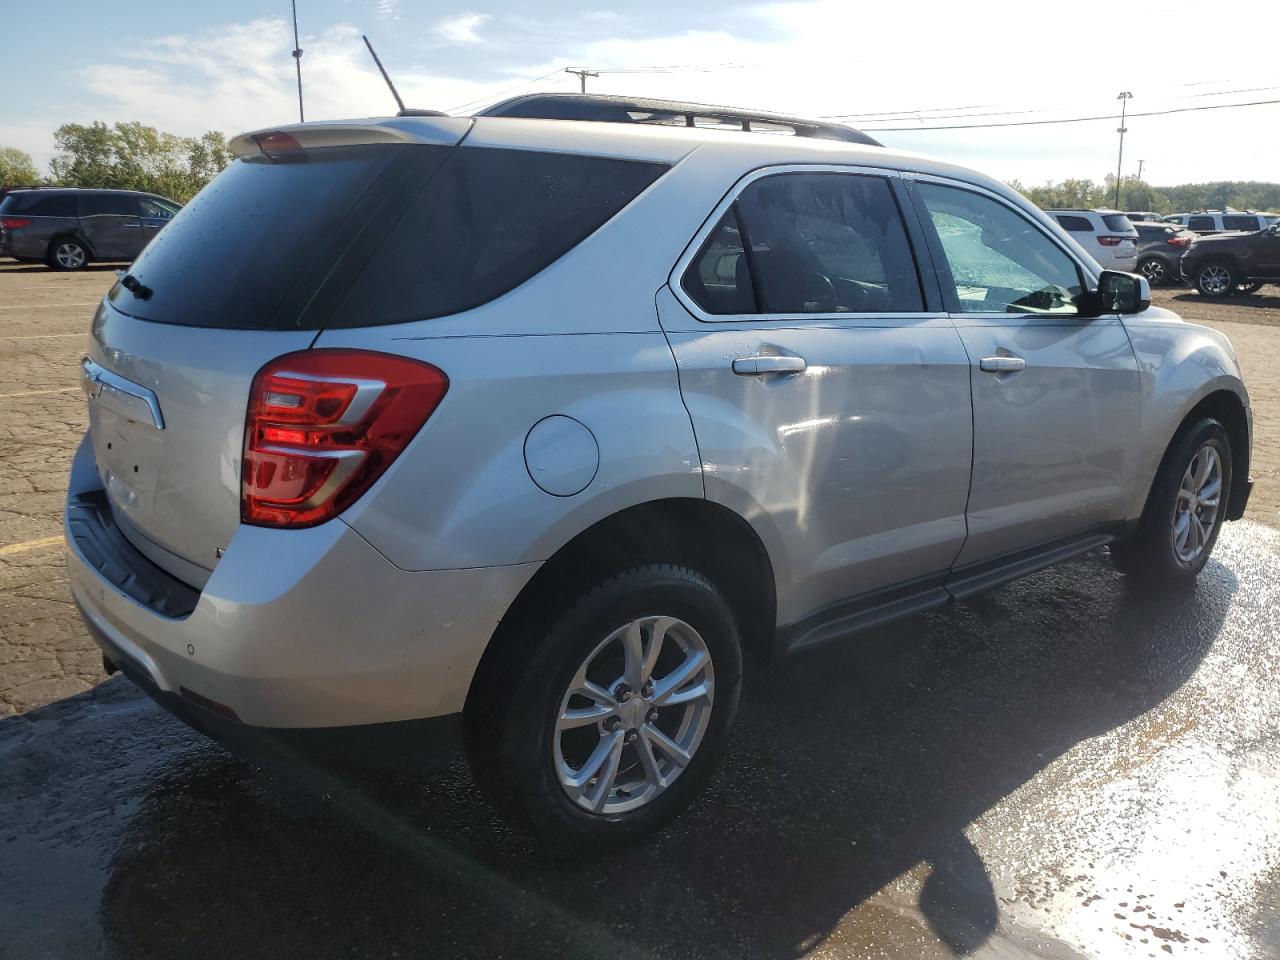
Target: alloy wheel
{"points": [[634, 715], [69, 255], [1215, 279], [1154, 270], [1196, 509]]}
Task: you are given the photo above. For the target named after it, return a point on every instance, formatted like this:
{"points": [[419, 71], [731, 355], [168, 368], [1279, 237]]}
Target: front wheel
{"points": [[604, 727], [1216, 279], [1184, 511]]}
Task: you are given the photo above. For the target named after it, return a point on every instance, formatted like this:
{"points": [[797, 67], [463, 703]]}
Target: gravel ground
{"points": [[45, 654]]}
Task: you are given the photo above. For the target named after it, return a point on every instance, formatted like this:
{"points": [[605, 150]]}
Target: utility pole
{"points": [[297, 60], [582, 76], [1124, 98], [1140, 164]]}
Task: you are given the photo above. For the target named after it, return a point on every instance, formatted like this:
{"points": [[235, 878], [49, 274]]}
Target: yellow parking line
{"points": [[41, 336], [37, 393], [46, 306], [13, 548]]}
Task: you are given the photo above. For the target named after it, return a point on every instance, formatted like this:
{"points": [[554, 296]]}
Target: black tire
{"points": [[1156, 270], [1217, 278], [1149, 557], [1251, 287], [62, 254], [511, 720]]}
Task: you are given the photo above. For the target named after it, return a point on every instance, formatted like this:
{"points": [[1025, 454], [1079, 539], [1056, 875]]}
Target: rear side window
{"points": [[38, 205], [818, 243], [109, 204], [1117, 222], [1200, 223], [1239, 223], [1075, 224], [488, 221]]}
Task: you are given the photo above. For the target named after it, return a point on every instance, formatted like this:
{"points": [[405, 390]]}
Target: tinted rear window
{"points": [[109, 204], [1201, 223], [40, 205], [489, 220], [1075, 224], [1239, 223], [369, 235], [1117, 222]]}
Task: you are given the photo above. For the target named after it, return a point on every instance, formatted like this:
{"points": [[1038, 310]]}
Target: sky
{"points": [[188, 67]]}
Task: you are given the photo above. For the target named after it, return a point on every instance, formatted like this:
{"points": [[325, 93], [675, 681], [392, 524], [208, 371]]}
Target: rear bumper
{"points": [[294, 629]]}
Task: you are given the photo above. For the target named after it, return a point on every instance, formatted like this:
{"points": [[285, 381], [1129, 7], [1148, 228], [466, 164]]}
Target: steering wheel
{"points": [[819, 289]]}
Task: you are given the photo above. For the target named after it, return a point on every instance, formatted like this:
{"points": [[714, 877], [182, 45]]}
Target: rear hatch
{"points": [[243, 274]]}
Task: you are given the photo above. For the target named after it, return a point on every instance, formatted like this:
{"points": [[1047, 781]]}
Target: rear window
{"points": [[1200, 223], [1117, 222], [39, 205], [373, 234], [1239, 223], [109, 205], [1075, 224]]}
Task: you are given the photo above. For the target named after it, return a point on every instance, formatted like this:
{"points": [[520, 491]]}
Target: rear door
{"points": [[223, 289], [829, 394], [1055, 397], [111, 224]]}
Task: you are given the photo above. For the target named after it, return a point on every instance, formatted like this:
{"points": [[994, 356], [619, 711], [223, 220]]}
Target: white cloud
{"points": [[462, 28]]}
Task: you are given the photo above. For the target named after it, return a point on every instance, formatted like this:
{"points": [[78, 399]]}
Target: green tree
{"points": [[17, 168], [133, 156]]}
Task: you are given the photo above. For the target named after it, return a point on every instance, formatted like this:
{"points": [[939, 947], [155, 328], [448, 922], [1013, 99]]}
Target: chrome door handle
{"points": [[1002, 364], [761, 364]]}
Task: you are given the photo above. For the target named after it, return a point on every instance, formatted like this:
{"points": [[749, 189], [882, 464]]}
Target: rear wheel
{"points": [[607, 725], [1185, 510], [1216, 279], [67, 253], [1155, 270]]}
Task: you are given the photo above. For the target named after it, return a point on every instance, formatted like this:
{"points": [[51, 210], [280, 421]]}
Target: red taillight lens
{"points": [[280, 147], [1180, 241], [13, 223], [323, 425], [1110, 241]]}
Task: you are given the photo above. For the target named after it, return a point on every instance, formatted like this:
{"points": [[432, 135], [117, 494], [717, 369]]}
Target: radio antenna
{"points": [[297, 60], [373, 53]]}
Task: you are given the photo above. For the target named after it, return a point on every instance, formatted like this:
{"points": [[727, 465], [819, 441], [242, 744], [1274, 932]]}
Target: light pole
{"points": [[1124, 98], [1140, 165]]}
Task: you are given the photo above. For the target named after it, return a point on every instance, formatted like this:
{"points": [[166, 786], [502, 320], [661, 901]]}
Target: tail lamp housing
{"points": [[14, 223], [321, 427]]}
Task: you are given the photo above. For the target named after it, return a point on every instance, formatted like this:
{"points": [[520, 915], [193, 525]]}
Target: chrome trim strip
{"points": [[129, 399]]}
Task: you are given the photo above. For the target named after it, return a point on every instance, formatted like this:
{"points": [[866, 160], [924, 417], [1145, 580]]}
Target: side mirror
{"points": [[1117, 292]]}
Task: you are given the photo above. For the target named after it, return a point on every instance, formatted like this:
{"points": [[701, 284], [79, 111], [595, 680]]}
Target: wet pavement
{"points": [[1059, 768]]}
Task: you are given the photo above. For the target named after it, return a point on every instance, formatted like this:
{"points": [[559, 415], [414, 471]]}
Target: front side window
{"points": [[998, 260], [154, 207]]}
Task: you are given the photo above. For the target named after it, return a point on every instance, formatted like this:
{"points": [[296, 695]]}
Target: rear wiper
{"points": [[134, 285]]}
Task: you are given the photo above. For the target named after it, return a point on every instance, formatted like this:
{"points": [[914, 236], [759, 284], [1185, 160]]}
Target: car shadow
{"points": [[849, 766], [1264, 299], [15, 267]]}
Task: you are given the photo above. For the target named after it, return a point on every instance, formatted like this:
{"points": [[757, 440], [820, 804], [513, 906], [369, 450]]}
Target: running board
{"points": [[892, 603]]}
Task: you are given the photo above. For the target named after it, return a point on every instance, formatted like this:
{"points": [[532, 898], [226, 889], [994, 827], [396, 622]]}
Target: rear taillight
{"points": [[1180, 241], [13, 223], [1111, 241], [323, 425]]}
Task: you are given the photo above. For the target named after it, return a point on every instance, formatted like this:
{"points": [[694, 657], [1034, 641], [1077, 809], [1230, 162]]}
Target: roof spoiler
{"points": [[412, 127], [610, 109]]}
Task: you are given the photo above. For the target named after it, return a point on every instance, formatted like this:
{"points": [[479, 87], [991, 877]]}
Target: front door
{"points": [[112, 225], [830, 403], [156, 214], [1055, 397]]}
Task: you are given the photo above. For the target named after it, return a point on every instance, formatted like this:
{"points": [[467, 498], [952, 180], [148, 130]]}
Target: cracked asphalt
{"points": [[1059, 768]]}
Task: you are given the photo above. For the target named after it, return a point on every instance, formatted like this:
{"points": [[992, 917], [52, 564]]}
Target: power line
{"points": [[1105, 116], [502, 93]]}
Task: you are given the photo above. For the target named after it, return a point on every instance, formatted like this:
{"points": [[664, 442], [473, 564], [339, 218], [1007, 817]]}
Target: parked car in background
{"points": [[1230, 263], [1107, 235], [576, 416], [68, 228], [1160, 249], [1218, 221], [1146, 216]]}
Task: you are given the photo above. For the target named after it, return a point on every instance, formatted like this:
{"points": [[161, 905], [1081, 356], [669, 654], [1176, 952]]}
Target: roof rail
{"points": [[611, 109]]}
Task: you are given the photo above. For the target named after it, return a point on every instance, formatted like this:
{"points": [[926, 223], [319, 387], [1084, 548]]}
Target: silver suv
{"points": [[528, 432]]}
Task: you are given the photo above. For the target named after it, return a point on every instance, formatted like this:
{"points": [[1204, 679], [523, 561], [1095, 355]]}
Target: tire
{"points": [[1155, 269], [1251, 287], [67, 254], [524, 762], [1158, 554], [1217, 278]]}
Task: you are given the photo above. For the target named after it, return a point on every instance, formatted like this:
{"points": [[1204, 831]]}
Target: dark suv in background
{"points": [[1230, 263], [67, 228], [1160, 248]]}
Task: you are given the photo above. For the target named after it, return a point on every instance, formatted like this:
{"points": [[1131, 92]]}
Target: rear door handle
{"points": [[1002, 364], [762, 364]]}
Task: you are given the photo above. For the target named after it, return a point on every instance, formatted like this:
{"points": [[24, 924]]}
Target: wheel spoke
{"points": [[699, 691], [599, 757], [604, 783], [633, 650], [658, 634], [1203, 464], [664, 743], [1193, 533], [677, 678], [1181, 531], [1210, 491], [584, 717], [652, 773]]}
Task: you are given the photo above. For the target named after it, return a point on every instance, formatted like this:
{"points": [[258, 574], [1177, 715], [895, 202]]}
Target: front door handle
{"points": [[767, 363], [1002, 364]]}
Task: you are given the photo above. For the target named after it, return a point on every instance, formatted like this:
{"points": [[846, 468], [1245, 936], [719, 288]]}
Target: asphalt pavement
{"points": [[1059, 768]]}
